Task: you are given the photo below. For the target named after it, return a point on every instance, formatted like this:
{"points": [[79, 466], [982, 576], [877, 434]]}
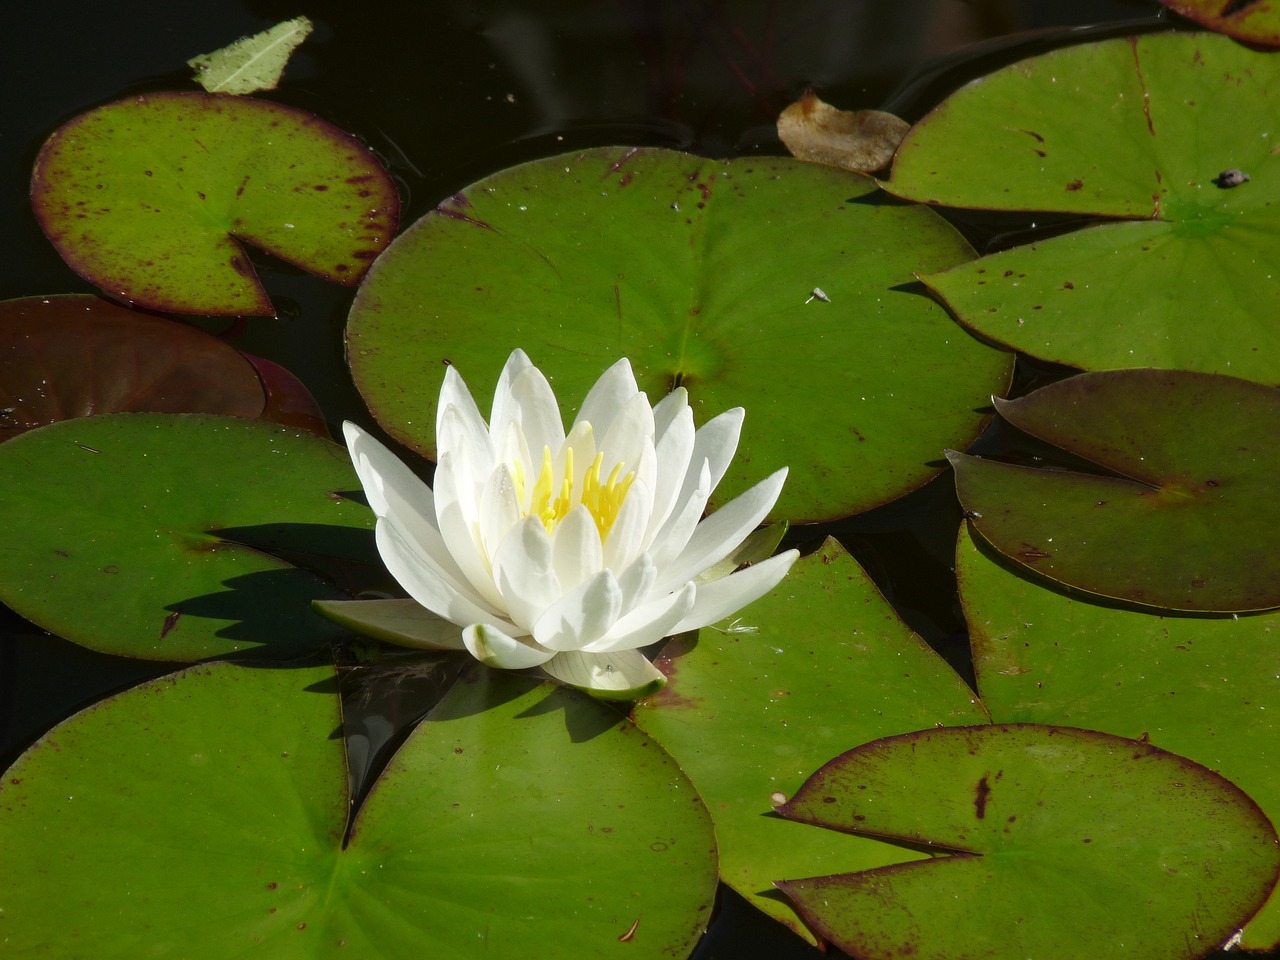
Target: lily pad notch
{"points": [[151, 198]]}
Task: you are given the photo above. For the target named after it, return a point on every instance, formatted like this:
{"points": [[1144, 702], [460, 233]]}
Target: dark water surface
{"points": [[450, 91]]}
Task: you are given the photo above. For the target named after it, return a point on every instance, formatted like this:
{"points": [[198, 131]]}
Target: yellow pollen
{"points": [[602, 500], [605, 500]]}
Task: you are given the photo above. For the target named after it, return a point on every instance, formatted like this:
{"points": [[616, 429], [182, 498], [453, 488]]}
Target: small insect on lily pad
{"points": [[151, 199], [1186, 518], [1174, 133], [1055, 842]]}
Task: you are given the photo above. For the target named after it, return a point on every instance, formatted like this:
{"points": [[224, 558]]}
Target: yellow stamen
{"points": [[602, 500]]}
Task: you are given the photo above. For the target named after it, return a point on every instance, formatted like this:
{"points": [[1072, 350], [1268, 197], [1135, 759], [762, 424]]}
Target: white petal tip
{"points": [[496, 649], [624, 675], [404, 623]]}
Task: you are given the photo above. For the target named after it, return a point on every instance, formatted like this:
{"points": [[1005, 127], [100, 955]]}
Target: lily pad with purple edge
{"points": [[779, 286], [1248, 21], [1172, 132], [1052, 842], [1204, 687], [181, 537], [151, 198], [753, 706], [1181, 513], [518, 820]]}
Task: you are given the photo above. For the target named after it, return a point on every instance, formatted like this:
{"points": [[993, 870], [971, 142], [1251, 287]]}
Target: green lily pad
{"points": [[177, 537], [1146, 128], [1248, 20], [1203, 687], [753, 707], [203, 815], [74, 356], [151, 198], [1062, 843], [771, 284], [1189, 523]]}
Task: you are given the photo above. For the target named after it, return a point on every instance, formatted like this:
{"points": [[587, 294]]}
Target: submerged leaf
{"points": [[1075, 844], [1189, 521], [150, 199], [252, 63], [860, 140]]}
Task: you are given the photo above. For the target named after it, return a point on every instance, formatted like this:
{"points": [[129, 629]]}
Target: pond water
{"points": [[449, 92]]}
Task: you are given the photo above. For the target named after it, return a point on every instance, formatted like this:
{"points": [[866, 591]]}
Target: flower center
{"points": [[603, 500]]}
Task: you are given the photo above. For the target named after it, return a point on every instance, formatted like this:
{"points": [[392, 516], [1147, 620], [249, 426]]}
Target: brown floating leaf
{"points": [[75, 356], [288, 400], [860, 140]]}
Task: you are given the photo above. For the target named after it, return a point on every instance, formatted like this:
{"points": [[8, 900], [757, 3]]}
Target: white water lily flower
{"points": [[567, 551]]}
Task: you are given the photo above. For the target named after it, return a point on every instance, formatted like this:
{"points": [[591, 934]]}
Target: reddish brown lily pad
{"points": [[1185, 519], [75, 356]]}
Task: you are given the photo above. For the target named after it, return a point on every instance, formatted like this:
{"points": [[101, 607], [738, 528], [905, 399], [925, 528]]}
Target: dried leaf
{"points": [[860, 140], [251, 63]]}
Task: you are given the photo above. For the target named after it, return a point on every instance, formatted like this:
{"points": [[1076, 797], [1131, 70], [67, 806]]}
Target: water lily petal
{"points": [[625, 439], [413, 570], [392, 488], [403, 622], [459, 424], [582, 441], [491, 646], [615, 387], [523, 570], [667, 409], [720, 598], [510, 553], [717, 440], [714, 444], [626, 537], [456, 514], [674, 451], [576, 550], [500, 510], [582, 616], [647, 623], [722, 531], [625, 675], [636, 581], [384, 477], [505, 410], [537, 411], [512, 448], [675, 533]]}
